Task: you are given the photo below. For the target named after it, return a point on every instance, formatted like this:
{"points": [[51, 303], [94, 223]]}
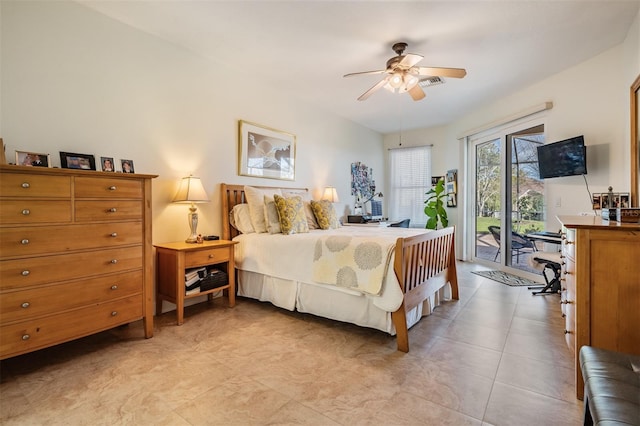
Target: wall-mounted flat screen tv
{"points": [[563, 158]]}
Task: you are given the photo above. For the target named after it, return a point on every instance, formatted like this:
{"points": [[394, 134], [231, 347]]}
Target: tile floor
{"points": [[496, 357]]}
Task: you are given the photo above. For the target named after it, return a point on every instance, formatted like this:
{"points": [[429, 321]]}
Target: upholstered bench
{"points": [[611, 387]]}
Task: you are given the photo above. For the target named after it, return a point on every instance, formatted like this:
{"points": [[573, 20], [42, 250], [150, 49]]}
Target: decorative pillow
{"points": [[255, 199], [271, 215], [306, 198], [240, 218], [325, 214], [291, 214]]}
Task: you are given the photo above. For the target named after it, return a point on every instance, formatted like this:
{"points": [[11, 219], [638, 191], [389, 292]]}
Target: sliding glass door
{"points": [[508, 197]]}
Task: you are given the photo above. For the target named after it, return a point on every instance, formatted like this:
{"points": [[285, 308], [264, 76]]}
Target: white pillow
{"points": [[271, 215], [255, 199], [240, 218]]}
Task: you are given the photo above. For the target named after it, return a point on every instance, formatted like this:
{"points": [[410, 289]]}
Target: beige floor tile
{"points": [[510, 405]]}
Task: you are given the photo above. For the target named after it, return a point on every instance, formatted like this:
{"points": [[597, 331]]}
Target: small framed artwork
{"points": [[35, 159], [72, 160], [127, 166], [451, 182], [452, 200], [436, 179], [106, 163], [596, 203], [265, 152]]}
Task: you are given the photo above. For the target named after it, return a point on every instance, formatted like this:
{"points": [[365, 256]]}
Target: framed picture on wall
{"points": [[265, 152]]}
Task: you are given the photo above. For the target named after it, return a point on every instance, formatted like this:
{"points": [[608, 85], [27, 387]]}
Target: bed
{"points": [[418, 272]]}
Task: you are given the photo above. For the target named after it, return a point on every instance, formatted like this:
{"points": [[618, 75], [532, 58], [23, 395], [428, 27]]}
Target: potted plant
{"points": [[434, 209]]}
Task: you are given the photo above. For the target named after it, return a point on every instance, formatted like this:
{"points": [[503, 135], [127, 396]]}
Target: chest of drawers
{"points": [[601, 286], [75, 255]]}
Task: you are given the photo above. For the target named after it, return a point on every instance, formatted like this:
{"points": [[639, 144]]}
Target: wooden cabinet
{"points": [[174, 258], [601, 275], [75, 255]]}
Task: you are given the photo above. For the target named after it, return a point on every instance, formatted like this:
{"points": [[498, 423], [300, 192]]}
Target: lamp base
{"points": [[193, 225]]}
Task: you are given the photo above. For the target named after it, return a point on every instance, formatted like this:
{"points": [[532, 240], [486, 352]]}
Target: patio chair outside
{"points": [[519, 243]]}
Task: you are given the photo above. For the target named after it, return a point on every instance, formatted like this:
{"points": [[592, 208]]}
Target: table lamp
{"points": [[330, 194], [191, 191]]}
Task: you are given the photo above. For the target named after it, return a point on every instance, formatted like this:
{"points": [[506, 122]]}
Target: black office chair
{"points": [[401, 224], [519, 243]]}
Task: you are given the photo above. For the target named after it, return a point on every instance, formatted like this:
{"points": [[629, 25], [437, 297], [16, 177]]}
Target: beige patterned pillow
{"points": [[271, 215], [255, 199], [325, 214], [291, 214]]}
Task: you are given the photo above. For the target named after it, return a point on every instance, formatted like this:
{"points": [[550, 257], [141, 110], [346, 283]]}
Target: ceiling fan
{"points": [[403, 75]]}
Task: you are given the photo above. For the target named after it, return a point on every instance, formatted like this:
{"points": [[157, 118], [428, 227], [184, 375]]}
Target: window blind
{"points": [[410, 179]]}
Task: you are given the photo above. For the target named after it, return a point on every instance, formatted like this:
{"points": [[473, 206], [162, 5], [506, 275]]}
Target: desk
{"points": [[545, 237]]}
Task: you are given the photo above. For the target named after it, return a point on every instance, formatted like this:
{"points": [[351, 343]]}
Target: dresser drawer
{"points": [[206, 257], [21, 273], [34, 240], [24, 212], [38, 301], [569, 243], [87, 211], [28, 185], [93, 187], [39, 333]]}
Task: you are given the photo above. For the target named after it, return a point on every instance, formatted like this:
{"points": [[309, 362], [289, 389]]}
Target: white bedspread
{"points": [[290, 257]]}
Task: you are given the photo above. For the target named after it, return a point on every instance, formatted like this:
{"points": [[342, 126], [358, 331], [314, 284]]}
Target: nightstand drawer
{"points": [[24, 212], [87, 211], [28, 185], [207, 257], [38, 301], [34, 240], [90, 187]]}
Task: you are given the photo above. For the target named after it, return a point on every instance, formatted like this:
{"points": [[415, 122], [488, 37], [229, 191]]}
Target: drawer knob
{"points": [[26, 185], [567, 242], [567, 273], [114, 261], [114, 287], [567, 332], [113, 210], [114, 234], [566, 302], [210, 256], [114, 313], [564, 315], [25, 272], [25, 337], [25, 305], [112, 188], [25, 241], [26, 212]]}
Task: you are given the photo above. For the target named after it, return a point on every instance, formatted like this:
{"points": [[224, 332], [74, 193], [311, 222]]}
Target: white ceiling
{"points": [[305, 47]]}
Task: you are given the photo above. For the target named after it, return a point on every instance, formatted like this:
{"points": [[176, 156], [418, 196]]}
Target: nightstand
{"points": [[172, 259]]}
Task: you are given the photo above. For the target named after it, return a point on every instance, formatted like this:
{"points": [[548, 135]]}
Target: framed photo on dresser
{"points": [[72, 160]]}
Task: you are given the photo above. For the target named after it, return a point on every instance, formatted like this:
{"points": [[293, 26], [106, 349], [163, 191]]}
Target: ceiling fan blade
{"points": [[409, 60], [442, 72], [416, 92], [369, 92], [365, 73]]}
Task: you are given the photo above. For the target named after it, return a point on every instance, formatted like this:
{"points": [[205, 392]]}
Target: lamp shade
{"points": [[330, 194], [191, 191]]}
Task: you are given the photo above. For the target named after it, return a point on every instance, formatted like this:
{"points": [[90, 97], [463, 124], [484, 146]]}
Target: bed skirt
{"points": [[330, 302]]}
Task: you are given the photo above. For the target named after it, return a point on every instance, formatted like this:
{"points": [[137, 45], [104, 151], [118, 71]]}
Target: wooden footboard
{"points": [[423, 264]]}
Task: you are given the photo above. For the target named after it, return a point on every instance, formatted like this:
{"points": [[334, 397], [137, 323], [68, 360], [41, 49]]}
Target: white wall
{"points": [[74, 80]]}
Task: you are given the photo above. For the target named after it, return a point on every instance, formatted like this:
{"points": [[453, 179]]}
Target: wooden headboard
{"points": [[234, 194]]}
